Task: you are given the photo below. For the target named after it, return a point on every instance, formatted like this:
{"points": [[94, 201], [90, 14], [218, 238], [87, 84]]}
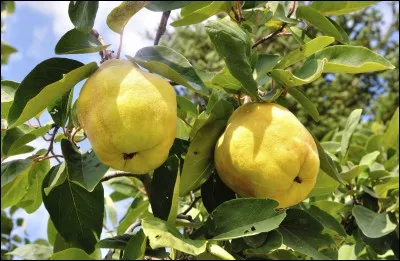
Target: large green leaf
{"points": [[319, 21], [327, 220], [86, 169], [117, 242], [350, 127], [214, 192], [331, 207], [325, 185], [138, 209], [76, 213], [372, 224], [186, 105], [135, 247], [8, 89], [304, 51], [11, 169], [226, 81], [170, 64], [243, 217], [326, 163], [15, 138], [303, 233], [391, 136], [33, 197], [165, 195], [60, 109], [76, 42], [308, 106], [265, 64], [385, 185], [340, 7], [83, 14], [120, 15], [71, 254], [309, 72], [353, 172], [162, 6], [352, 59], [46, 83], [274, 241], [32, 252], [227, 36], [161, 234], [199, 158], [202, 13], [257, 16]]}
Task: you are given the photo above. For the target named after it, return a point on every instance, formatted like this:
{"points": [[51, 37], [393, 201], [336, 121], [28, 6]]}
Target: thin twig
{"points": [[191, 205], [162, 26], [53, 135], [277, 32], [239, 11], [185, 217], [48, 157], [187, 123]]}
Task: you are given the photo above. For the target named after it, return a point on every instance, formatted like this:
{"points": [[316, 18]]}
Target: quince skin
{"points": [[129, 116], [266, 152]]}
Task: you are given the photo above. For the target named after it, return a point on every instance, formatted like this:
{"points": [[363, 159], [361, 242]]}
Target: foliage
{"points": [[182, 210]]}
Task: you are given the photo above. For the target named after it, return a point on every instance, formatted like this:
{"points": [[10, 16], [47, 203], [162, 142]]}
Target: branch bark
{"points": [[162, 26]]}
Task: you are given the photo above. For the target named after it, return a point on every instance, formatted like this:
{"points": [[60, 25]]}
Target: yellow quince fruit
{"points": [[129, 116], [265, 152]]}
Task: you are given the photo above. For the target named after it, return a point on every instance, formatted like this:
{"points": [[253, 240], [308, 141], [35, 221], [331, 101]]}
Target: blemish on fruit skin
{"points": [[128, 156], [298, 180]]}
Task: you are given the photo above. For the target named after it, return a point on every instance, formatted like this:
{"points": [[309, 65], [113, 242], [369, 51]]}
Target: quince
{"points": [[129, 116], [266, 152]]}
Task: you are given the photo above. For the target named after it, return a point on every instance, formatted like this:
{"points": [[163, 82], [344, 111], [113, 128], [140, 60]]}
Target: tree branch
{"points": [[162, 26], [191, 205], [277, 32], [144, 178]]}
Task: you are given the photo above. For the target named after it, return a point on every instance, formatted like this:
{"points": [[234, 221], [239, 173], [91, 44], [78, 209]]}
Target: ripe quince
{"points": [[129, 116], [265, 152]]}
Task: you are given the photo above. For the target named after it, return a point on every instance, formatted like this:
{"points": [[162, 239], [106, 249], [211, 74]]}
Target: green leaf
{"points": [[227, 36], [161, 234], [59, 110], [265, 64], [110, 209], [138, 209], [372, 224], [13, 192], [86, 169], [342, 32], [51, 232], [257, 16], [33, 198], [57, 175], [165, 190], [120, 15], [308, 106], [226, 81], [319, 21], [330, 207], [32, 252], [352, 59], [353, 172], [193, 6], [386, 184], [214, 192], [202, 13], [170, 64], [340, 7], [7, 8], [391, 136], [8, 89], [304, 51], [303, 233], [162, 6], [243, 217], [182, 130], [325, 185], [76, 213], [186, 105], [71, 254], [46, 83], [256, 240], [281, 16], [274, 241], [83, 14], [117, 242], [326, 163], [16, 138], [136, 247], [6, 51], [300, 35], [347, 252], [11, 169], [76, 42], [309, 72], [199, 158], [327, 220], [369, 159], [350, 127]]}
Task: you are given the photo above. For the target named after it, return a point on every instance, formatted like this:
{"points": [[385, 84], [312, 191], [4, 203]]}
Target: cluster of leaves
{"points": [[182, 209], [7, 9]]}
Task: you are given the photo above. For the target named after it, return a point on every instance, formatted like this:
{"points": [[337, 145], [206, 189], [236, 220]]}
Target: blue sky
{"points": [[34, 30]]}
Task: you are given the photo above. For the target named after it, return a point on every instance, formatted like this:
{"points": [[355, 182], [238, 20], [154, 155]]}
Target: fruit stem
{"points": [[121, 36]]}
